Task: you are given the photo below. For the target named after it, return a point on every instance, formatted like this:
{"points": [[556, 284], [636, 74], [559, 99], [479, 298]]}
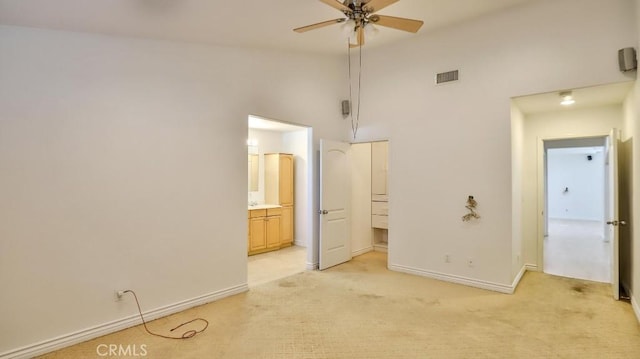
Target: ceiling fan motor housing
{"points": [[359, 13]]}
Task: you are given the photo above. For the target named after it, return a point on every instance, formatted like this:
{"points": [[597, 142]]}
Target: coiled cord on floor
{"points": [[186, 335]]}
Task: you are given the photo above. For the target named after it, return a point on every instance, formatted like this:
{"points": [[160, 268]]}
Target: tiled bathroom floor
{"points": [[274, 265]]}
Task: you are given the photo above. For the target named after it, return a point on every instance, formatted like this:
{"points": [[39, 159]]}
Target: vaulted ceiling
{"points": [[238, 23]]}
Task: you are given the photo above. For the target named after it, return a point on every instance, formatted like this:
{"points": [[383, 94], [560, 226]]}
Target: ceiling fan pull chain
{"points": [[355, 119], [350, 86], [359, 89]]}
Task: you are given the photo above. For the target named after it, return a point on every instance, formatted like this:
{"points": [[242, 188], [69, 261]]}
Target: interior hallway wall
{"points": [[627, 169], [631, 278], [575, 186], [123, 165], [517, 151]]}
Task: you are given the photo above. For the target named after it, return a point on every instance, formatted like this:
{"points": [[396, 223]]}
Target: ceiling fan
{"points": [[362, 13]]}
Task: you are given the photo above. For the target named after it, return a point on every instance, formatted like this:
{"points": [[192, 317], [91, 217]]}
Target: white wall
{"points": [[297, 143], [123, 166], [596, 121], [631, 275], [632, 126], [517, 150], [454, 140], [361, 231], [584, 180]]}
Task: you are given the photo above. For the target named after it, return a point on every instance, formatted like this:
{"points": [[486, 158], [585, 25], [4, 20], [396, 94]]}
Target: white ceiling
{"points": [[611, 94], [259, 123], [241, 23]]}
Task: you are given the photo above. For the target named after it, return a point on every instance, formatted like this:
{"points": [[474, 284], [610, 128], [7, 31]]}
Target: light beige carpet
{"points": [[362, 310]]}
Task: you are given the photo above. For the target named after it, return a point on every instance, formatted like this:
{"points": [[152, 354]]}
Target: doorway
{"points": [[353, 191], [539, 118], [280, 157], [576, 243]]}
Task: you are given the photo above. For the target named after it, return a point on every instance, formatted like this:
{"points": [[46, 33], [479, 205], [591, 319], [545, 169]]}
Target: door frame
{"points": [[542, 205]]}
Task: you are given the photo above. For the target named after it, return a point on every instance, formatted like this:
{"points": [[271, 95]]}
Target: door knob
{"points": [[623, 223], [613, 223], [324, 211]]}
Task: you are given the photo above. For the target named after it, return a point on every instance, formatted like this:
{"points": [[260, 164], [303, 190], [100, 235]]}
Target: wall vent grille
{"points": [[444, 77]]}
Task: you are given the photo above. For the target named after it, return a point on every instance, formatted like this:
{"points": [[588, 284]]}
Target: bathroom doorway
{"points": [[280, 235]]}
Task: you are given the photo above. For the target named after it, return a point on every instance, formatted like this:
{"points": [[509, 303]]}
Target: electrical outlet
{"points": [[447, 258], [118, 294]]}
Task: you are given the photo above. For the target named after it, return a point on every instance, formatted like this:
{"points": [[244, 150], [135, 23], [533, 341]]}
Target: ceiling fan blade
{"points": [[376, 5], [399, 23], [337, 5], [318, 25], [360, 38]]}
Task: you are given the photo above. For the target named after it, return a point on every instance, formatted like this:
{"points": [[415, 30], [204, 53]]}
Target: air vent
{"points": [[444, 77]]}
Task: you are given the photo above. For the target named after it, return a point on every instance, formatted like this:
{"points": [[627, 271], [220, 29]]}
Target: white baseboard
{"points": [[362, 251], [80, 336], [300, 244], [532, 267], [517, 279], [312, 266], [496, 287], [381, 248], [636, 306], [634, 301]]}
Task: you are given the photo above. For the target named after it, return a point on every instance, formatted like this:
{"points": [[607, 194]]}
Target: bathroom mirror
{"points": [[254, 161]]}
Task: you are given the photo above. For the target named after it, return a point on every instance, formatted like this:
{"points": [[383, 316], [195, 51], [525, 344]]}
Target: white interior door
{"points": [[335, 206], [612, 215]]}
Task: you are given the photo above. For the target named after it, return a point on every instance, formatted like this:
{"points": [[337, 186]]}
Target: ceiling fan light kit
{"points": [[360, 16]]}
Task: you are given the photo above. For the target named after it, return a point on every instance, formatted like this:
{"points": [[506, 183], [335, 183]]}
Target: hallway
{"points": [[576, 249]]}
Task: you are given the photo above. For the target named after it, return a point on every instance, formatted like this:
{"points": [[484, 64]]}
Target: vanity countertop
{"points": [[264, 206]]}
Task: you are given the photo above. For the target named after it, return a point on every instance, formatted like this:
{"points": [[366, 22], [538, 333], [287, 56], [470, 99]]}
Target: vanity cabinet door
{"points": [[258, 234], [286, 180], [273, 232], [279, 189]]}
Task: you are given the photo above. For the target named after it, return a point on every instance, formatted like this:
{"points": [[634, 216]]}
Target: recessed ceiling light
{"points": [[567, 98]]}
